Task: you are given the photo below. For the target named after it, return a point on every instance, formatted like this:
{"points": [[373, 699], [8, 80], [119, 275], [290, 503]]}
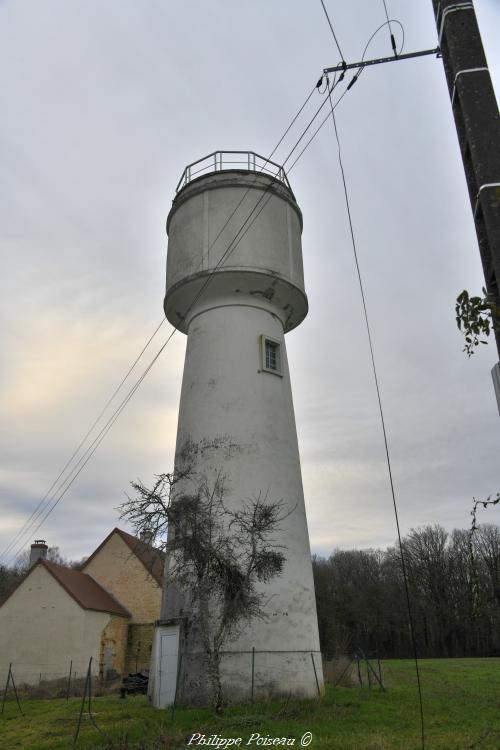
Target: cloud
{"points": [[101, 114]]}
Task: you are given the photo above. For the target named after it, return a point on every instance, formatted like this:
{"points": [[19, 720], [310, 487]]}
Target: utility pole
{"points": [[477, 121], [478, 128]]}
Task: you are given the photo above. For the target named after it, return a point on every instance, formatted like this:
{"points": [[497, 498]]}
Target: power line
{"points": [[365, 63], [233, 212], [35, 513], [384, 432], [331, 28], [377, 387], [76, 470], [393, 41], [322, 123], [100, 437], [325, 101], [393, 20], [251, 217]]}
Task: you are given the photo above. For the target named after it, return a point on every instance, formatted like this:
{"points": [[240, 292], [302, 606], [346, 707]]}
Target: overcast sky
{"points": [[103, 105]]}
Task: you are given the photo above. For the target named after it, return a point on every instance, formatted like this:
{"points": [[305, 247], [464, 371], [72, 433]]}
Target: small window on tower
{"points": [[271, 355]]}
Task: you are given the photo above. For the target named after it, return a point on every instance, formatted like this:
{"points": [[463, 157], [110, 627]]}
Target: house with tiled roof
{"points": [[59, 616]]}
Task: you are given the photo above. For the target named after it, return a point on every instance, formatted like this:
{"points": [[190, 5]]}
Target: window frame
{"points": [[264, 339]]}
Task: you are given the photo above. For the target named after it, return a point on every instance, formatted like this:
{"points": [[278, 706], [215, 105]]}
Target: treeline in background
{"points": [[454, 589]]}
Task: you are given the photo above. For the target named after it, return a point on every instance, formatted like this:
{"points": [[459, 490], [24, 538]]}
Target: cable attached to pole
{"points": [[333, 33], [393, 41], [43, 512], [386, 445]]}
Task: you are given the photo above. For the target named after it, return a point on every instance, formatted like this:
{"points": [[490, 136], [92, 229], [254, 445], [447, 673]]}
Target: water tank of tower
{"points": [[240, 227]]}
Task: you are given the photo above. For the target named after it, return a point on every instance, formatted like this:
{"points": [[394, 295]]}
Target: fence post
{"points": [[69, 679], [176, 686], [83, 704], [379, 680], [6, 687], [359, 670], [253, 669], [315, 675], [10, 678], [15, 692], [380, 673]]}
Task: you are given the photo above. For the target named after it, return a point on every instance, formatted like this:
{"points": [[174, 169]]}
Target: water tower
{"points": [[236, 410]]}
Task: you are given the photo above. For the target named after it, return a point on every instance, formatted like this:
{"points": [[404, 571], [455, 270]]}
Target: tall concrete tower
{"points": [[236, 412]]}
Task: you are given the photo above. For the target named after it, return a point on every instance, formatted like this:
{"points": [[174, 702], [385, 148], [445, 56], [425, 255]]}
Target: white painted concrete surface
{"points": [[238, 418]]}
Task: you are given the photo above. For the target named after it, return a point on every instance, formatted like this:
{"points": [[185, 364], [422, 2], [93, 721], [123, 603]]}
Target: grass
{"points": [[461, 699]]}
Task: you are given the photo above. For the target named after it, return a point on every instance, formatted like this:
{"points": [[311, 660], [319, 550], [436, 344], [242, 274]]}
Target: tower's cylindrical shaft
{"points": [[236, 413]]}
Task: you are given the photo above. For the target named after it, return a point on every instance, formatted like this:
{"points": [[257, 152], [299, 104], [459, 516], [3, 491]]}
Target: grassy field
{"points": [[461, 710]]}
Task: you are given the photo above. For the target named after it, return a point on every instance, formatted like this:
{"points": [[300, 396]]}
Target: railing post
{"points": [[216, 160]]}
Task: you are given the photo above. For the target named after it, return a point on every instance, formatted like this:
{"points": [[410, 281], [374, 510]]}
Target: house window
{"points": [[271, 355]]}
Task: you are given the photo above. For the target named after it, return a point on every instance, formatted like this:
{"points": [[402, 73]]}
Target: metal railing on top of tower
{"points": [[219, 161]]}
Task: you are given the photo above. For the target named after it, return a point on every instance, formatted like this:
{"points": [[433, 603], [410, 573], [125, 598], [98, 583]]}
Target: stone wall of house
{"points": [[139, 644], [113, 648], [119, 571]]}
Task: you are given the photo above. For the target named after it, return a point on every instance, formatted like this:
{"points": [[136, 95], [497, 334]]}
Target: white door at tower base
{"points": [[168, 653]]}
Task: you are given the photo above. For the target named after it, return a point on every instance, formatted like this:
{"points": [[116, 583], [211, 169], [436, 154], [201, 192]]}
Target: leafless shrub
{"points": [[215, 553]]}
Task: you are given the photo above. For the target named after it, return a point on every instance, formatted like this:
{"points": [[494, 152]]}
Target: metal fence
{"points": [[251, 675], [47, 680], [251, 672]]}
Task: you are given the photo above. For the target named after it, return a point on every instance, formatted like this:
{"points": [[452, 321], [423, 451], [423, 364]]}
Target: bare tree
{"points": [[22, 561], [215, 554], [487, 548]]}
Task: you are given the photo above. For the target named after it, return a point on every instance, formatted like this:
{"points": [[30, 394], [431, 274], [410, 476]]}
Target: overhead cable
{"points": [[76, 470], [393, 41], [381, 411], [38, 510], [331, 29]]}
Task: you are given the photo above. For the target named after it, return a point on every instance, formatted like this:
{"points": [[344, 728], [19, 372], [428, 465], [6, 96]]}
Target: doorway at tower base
{"points": [[245, 676], [164, 667]]}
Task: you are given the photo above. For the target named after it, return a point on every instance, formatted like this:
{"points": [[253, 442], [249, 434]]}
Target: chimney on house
{"points": [[147, 536], [38, 550]]}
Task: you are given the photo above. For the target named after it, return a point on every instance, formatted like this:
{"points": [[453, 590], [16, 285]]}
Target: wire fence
{"points": [[248, 675], [292, 665], [47, 680], [252, 674]]}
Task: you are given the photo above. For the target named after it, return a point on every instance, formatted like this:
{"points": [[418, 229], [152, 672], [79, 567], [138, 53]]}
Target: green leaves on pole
{"points": [[476, 317]]}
